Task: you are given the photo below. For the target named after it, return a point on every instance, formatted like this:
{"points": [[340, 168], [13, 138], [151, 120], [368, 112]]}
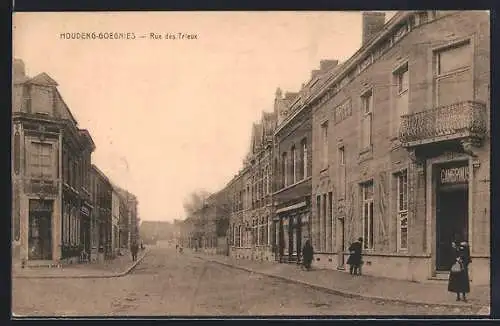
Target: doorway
{"points": [[40, 231], [451, 222], [341, 235]]}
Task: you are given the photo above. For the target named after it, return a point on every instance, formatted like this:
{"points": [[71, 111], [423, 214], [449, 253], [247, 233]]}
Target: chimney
{"points": [[373, 22], [325, 65], [19, 70]]}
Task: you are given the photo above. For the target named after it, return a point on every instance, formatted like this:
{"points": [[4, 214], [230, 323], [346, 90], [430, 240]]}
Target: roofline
{"points": [[87, 135], [358, 55], [94, 167], [343, 68], [66, 105]]}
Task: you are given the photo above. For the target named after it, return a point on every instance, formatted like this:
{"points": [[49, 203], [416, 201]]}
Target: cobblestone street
{"points": [[166, 283]]}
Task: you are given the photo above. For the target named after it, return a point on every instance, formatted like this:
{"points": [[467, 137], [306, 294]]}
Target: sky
{"points": [[169, 117]]}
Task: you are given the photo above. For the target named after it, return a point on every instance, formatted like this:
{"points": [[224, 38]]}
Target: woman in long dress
{"points": [[459, 282]]}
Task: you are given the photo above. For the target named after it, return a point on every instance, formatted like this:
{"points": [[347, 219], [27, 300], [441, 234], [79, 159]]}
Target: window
{"points": [[366, 102], [453, 74], [341, 177], [268, 180], [324, 224], [330, 222], [324, 135], [402, 210], [263, 232], [284, 169], [268, 230], [366, 119], [41, 160], [318, 220], [401, 77], [341, 156], [304, 159], [294, 165], [367, 214]]}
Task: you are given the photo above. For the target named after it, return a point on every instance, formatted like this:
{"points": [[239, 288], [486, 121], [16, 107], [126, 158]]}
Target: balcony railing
{"points": [[456, 121], [38, 186]]}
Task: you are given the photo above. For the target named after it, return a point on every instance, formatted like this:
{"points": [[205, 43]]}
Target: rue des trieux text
{"points": [[172, 36]]}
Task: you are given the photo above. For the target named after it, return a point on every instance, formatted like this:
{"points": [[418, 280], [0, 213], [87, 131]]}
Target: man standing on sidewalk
{"points": [[134, 248]]}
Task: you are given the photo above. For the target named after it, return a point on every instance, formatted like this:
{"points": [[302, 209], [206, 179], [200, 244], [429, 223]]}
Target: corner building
{"points": [[401, 139], [251, 196], [51, 157]]}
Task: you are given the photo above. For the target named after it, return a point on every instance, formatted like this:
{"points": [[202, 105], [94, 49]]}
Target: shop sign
{"points": [[85, 210], [40, 205], [455, 175]]}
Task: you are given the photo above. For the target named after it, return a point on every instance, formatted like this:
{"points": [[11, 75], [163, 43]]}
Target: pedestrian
{"points": [[307, 255], [134, 248], [354, 260], [459, 282]]}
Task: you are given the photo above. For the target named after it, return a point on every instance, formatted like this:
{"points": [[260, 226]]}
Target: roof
{"points": [[101, 174], [44, 80], [85, 133]]}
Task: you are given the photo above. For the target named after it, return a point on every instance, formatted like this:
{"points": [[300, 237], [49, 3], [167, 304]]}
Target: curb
{"points": [[109, 275], [348, 294]]}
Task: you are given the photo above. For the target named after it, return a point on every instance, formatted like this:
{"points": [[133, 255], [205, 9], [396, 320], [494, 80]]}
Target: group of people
{"points": [[458, 282], [354, 260]]}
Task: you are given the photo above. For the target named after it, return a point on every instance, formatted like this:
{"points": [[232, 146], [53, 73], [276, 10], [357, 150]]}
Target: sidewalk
{"points": [[120, 266], [365, 286]]}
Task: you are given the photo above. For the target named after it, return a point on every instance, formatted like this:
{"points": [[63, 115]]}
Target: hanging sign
{"points": [[85, 210], [455, 175]]}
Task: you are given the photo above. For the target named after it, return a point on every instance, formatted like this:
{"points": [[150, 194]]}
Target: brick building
{"points": [[292, 149], [50, 172], [115, 217], [401, 142], [128, 224], [102, 219], [251, 189]]}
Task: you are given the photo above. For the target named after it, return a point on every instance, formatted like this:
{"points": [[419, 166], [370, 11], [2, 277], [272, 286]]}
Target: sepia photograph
{"points": [[251, 164]]}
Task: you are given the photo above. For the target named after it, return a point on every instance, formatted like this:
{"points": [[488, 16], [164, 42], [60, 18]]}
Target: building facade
{"points": [[128, 220], [406, 153], [50, 172], [292, 177], [102, 220], [251, 195], [115, 218]]}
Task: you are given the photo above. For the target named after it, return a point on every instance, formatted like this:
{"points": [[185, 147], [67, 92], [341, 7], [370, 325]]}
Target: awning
{"points": [[292, 207]]}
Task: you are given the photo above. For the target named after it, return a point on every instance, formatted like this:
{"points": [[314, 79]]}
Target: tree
{"points": [[195, 201]]}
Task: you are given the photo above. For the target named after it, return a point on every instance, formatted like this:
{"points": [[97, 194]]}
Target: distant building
{"points": [[115, 214], [129, 220], [51, 160], [102, 220], [153, 231]]}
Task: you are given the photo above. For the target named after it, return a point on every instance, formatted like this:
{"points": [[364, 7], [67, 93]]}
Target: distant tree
{"points": [[195, 201]]}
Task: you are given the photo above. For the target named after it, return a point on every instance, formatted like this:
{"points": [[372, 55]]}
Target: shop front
{"points": [[40, 229], [451, 211], [293, 231]]}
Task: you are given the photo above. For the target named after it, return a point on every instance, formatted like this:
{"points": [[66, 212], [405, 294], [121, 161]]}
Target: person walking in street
{"points": [[354, 260], [134, 248], [459, 282], [307, 254]]}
